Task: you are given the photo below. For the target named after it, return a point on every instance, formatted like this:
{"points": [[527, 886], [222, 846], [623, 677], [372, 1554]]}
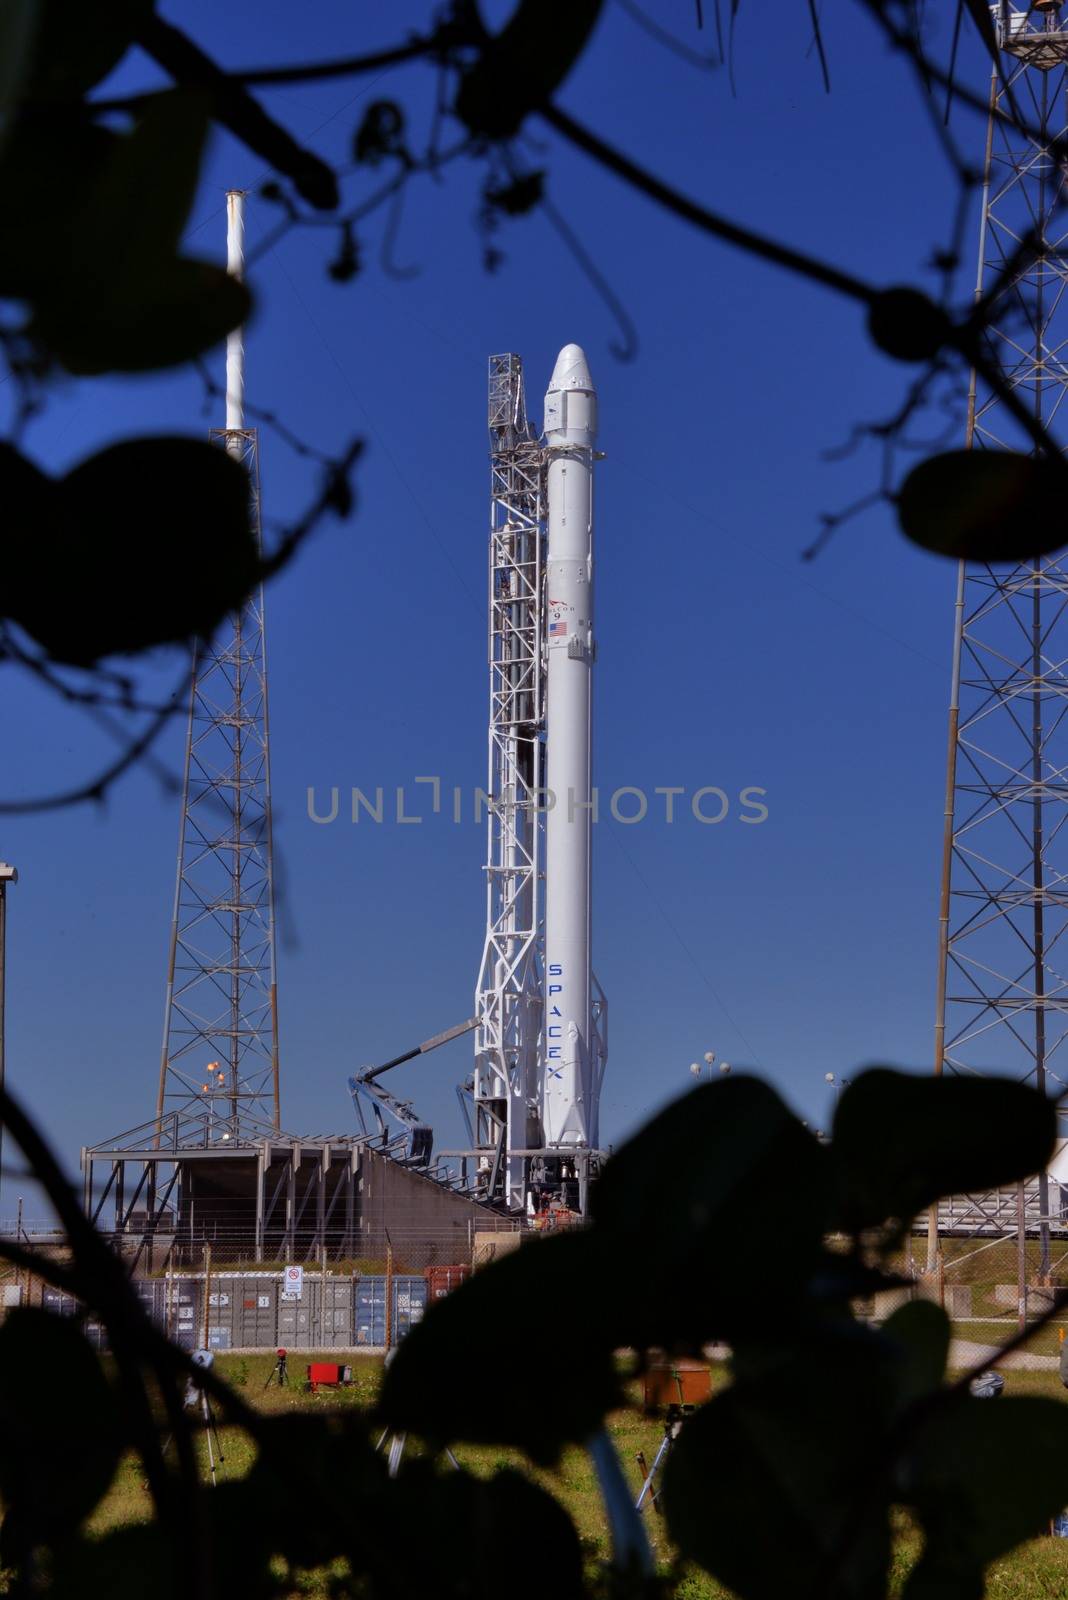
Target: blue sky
{"points": [[801, 946]]}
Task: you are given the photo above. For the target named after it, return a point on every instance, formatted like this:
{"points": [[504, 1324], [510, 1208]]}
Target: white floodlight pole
{"points": [[235, 342], [571, 1074]]}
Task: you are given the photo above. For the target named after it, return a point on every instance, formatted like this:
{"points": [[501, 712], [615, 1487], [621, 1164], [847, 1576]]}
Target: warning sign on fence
{"points": [[293, 1284]]}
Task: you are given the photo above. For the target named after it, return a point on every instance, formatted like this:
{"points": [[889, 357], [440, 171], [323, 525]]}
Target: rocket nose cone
{"points": [[572, 370]]}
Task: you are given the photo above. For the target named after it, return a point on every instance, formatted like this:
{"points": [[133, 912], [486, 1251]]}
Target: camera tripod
{"points": [[279, 1373], [197, 1399], [394, 1444], [672, 1423]]}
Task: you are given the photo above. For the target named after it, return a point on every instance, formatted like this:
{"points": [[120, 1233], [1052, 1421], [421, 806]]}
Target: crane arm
{"points": [[369, 1074]]}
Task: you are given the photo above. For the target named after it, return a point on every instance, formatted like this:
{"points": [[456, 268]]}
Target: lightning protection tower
{"points": [[220, 1030], [1002, 1002]]}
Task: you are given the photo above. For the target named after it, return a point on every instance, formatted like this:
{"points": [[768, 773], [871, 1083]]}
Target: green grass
{"points": [[1029, 1573], [1044, 1342]]}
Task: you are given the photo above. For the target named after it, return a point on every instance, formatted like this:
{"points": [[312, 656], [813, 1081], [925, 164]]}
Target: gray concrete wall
{"points": [[423, 1221]]}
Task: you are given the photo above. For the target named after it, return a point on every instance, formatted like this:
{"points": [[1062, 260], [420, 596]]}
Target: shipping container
{"points": [[335, 1320], [371, 1311], [182, 1318], [295, 1319], [150, 1292], [441, 1281], [60, 1304], [255, 1318], [225, 1294], [65, 1305], [321, 1319], [409, 1304]]}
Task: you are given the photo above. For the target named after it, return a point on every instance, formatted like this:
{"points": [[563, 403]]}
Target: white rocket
{"points": [[539, 1016], [570, 1056]]}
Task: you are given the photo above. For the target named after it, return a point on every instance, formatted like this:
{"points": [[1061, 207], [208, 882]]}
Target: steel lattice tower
{"points": [[1002, 1000], [220, 1031], [508, 996]]}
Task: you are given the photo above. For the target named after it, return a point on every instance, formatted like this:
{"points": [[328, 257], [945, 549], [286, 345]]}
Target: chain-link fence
{"points": [[214, 1292], [229, 1301], [992, 1287]]}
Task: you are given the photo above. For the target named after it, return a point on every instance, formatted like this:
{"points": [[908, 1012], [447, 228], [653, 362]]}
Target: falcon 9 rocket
{"points": [[568, 1097], [540, 1045]]}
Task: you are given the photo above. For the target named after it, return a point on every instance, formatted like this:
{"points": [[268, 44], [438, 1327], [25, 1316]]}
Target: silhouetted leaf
{"points": [[985, 505], [921, 1331], [766, 1480], [693, 1195], [839, 1278], [27, 495], [109, 292], [555, 1379], [901, 1141], [178, 310], [517, 198], [524, 64], [346, 264], [342, 1481], [467, 1533], [983, 1476], [123, 1564], [18, 24], [148, 186], [380, 134], [59, 1436], [39, 240], [76, 45], [907, 324], [144, 543]]}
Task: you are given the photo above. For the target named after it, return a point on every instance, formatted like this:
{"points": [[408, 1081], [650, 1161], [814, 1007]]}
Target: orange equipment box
{"points": [[677, 1383]]}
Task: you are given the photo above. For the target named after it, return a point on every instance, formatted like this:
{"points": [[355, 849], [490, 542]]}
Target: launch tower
{"points": [[1002, 1000]]}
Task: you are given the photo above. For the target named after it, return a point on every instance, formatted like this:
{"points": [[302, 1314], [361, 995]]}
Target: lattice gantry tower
{"points": [[508, 994], [220, 1031], [1003, 948]]}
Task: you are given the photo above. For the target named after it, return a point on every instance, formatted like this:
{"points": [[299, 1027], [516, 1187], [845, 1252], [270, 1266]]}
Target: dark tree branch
{"points": [[649, 25], [755, 244], [344, 66], [817, 39], [335, 495], [629, 348], [234, 107], [97, 787]]}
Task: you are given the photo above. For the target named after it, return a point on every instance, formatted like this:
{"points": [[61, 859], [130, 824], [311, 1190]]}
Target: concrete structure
{"points": [[171, 1188]]}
